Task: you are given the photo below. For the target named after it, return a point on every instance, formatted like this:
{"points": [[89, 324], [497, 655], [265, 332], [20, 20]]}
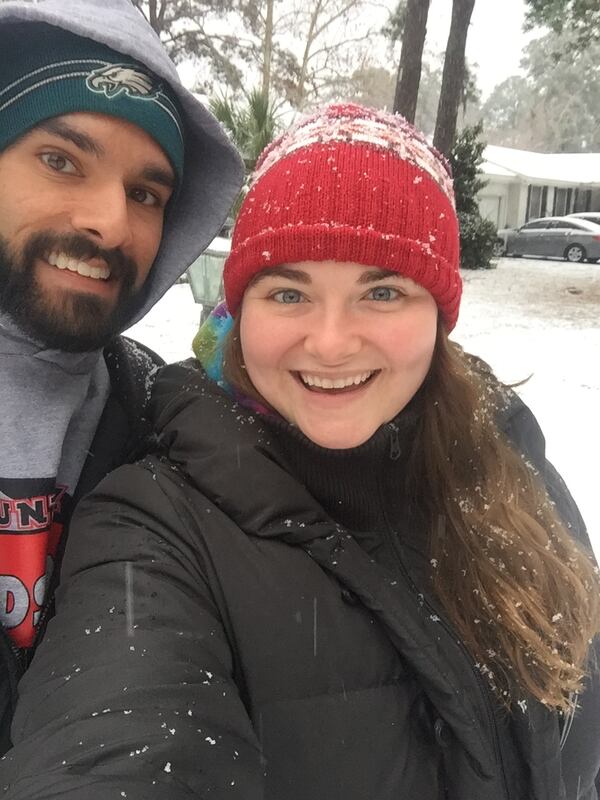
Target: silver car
{"points": [[572, 238], [591, 216]]}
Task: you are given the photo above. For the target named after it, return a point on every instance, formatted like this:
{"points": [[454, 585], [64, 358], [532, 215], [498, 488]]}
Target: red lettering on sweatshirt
{"points": [[31, 527]]}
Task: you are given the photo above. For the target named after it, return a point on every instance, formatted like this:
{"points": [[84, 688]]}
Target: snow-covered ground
{"points": [[529, 319]]}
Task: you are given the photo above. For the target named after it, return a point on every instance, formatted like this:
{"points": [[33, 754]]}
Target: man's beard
{"points": [[76, 321]]}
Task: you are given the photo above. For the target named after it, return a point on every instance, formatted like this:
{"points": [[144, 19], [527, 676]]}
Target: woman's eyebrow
{"points": [[373, 275], [281, 272]]}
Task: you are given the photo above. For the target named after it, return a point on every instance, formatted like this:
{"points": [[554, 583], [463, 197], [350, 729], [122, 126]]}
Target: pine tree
{"points": [[412, 22], [453, 78]]}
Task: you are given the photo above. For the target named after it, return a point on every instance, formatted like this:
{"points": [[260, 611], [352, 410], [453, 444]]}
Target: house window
{"points": [[583, 200], [562, 199], [536, 206]]}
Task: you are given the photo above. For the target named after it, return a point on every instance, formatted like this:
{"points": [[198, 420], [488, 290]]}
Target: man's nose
{"points": [[103, 215], [334, 337]]}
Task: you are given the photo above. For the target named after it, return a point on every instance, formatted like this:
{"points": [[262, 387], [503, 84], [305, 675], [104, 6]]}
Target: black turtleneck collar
{"points": [[358, 487]]}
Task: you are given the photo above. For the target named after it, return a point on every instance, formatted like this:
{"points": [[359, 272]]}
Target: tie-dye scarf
{"points": [[208, 347]]}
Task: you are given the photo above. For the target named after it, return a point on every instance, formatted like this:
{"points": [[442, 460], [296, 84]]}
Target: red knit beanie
{"points": [[351, 184]]}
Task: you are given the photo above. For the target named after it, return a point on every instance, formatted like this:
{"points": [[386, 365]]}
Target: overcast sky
{"points": [[495, 41]]}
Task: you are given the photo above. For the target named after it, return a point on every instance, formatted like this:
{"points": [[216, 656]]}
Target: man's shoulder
{"points": [[125, 353], [132, 368], [124, 431]]}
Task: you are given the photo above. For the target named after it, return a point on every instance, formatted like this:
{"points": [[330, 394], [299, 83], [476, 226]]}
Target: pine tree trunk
{"points": [[411, 56], [453, 76]]}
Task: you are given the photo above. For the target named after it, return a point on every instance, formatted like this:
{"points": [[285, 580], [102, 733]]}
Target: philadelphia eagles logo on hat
{"points": [[113, 79]]}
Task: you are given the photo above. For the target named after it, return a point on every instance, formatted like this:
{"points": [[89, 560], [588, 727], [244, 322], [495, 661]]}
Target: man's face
{"points": [[82, 202]]}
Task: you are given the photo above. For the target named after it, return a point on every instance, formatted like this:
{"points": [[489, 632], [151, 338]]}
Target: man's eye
{"points": [[384, 293], [287, 296], [59, 163], [144, 197]]}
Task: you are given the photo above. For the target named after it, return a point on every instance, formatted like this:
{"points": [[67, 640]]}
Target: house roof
{"points": [[556, 169]]}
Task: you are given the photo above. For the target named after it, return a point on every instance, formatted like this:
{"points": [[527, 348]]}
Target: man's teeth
{"points": [[335, 383], [63, 261]]}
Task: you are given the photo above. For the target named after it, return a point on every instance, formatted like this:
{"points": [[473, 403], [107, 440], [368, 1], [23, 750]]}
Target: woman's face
{"points": [[336, 348]]}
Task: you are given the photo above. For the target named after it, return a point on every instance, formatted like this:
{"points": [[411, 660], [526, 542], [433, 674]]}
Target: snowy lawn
{"points": [[526, 318]]}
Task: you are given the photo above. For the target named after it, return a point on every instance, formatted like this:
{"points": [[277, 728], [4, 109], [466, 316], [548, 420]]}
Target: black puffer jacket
{"points": [[219, 636], [121, 436]]}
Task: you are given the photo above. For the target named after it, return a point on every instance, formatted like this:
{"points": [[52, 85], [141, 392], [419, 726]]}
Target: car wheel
{"points": [[575, 253], [499, 248]]}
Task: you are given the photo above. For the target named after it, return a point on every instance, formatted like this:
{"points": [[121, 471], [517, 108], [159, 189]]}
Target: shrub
{"points": [[477, 235], [477, 238]]}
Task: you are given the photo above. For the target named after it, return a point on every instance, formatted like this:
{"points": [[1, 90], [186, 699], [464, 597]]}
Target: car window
{"points": [[547, 224], [530, 226], [571, 225]]}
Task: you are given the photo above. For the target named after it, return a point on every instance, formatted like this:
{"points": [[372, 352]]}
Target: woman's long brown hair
{"points": [[523, 596]]}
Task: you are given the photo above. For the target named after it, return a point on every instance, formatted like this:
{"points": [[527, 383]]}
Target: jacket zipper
{"points": [[395, 449], [40, 628], [44, 614], [15, 663], [16, 652], [23, 657]]}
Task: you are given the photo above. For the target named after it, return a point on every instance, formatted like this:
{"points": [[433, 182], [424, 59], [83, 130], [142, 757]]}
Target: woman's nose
{"points": [[333, 337]]}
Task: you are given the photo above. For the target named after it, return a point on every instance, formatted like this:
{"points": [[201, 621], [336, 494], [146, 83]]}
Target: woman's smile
{"points": [[335, 384]]}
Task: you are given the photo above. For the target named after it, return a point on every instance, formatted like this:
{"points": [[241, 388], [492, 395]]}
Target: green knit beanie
{"points": [[46, 72]]}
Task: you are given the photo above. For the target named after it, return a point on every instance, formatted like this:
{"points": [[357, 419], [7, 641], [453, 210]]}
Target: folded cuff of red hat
{"points": [[436, 269]]}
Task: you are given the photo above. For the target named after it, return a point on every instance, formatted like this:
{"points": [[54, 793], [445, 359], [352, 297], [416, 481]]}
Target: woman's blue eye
{"points": [[383, 293], [287, 296]]}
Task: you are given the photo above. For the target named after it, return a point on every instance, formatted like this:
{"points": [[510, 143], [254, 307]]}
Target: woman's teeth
{"points": [[334, 383], [63, 261]]}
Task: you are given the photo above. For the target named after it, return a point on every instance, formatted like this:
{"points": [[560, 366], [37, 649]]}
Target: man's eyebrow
{"points": [[373, 275], [281, 272], [57, 127], [159, 175]]}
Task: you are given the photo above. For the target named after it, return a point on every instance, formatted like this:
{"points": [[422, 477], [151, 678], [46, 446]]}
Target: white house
{"points": [[524, 185]]}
